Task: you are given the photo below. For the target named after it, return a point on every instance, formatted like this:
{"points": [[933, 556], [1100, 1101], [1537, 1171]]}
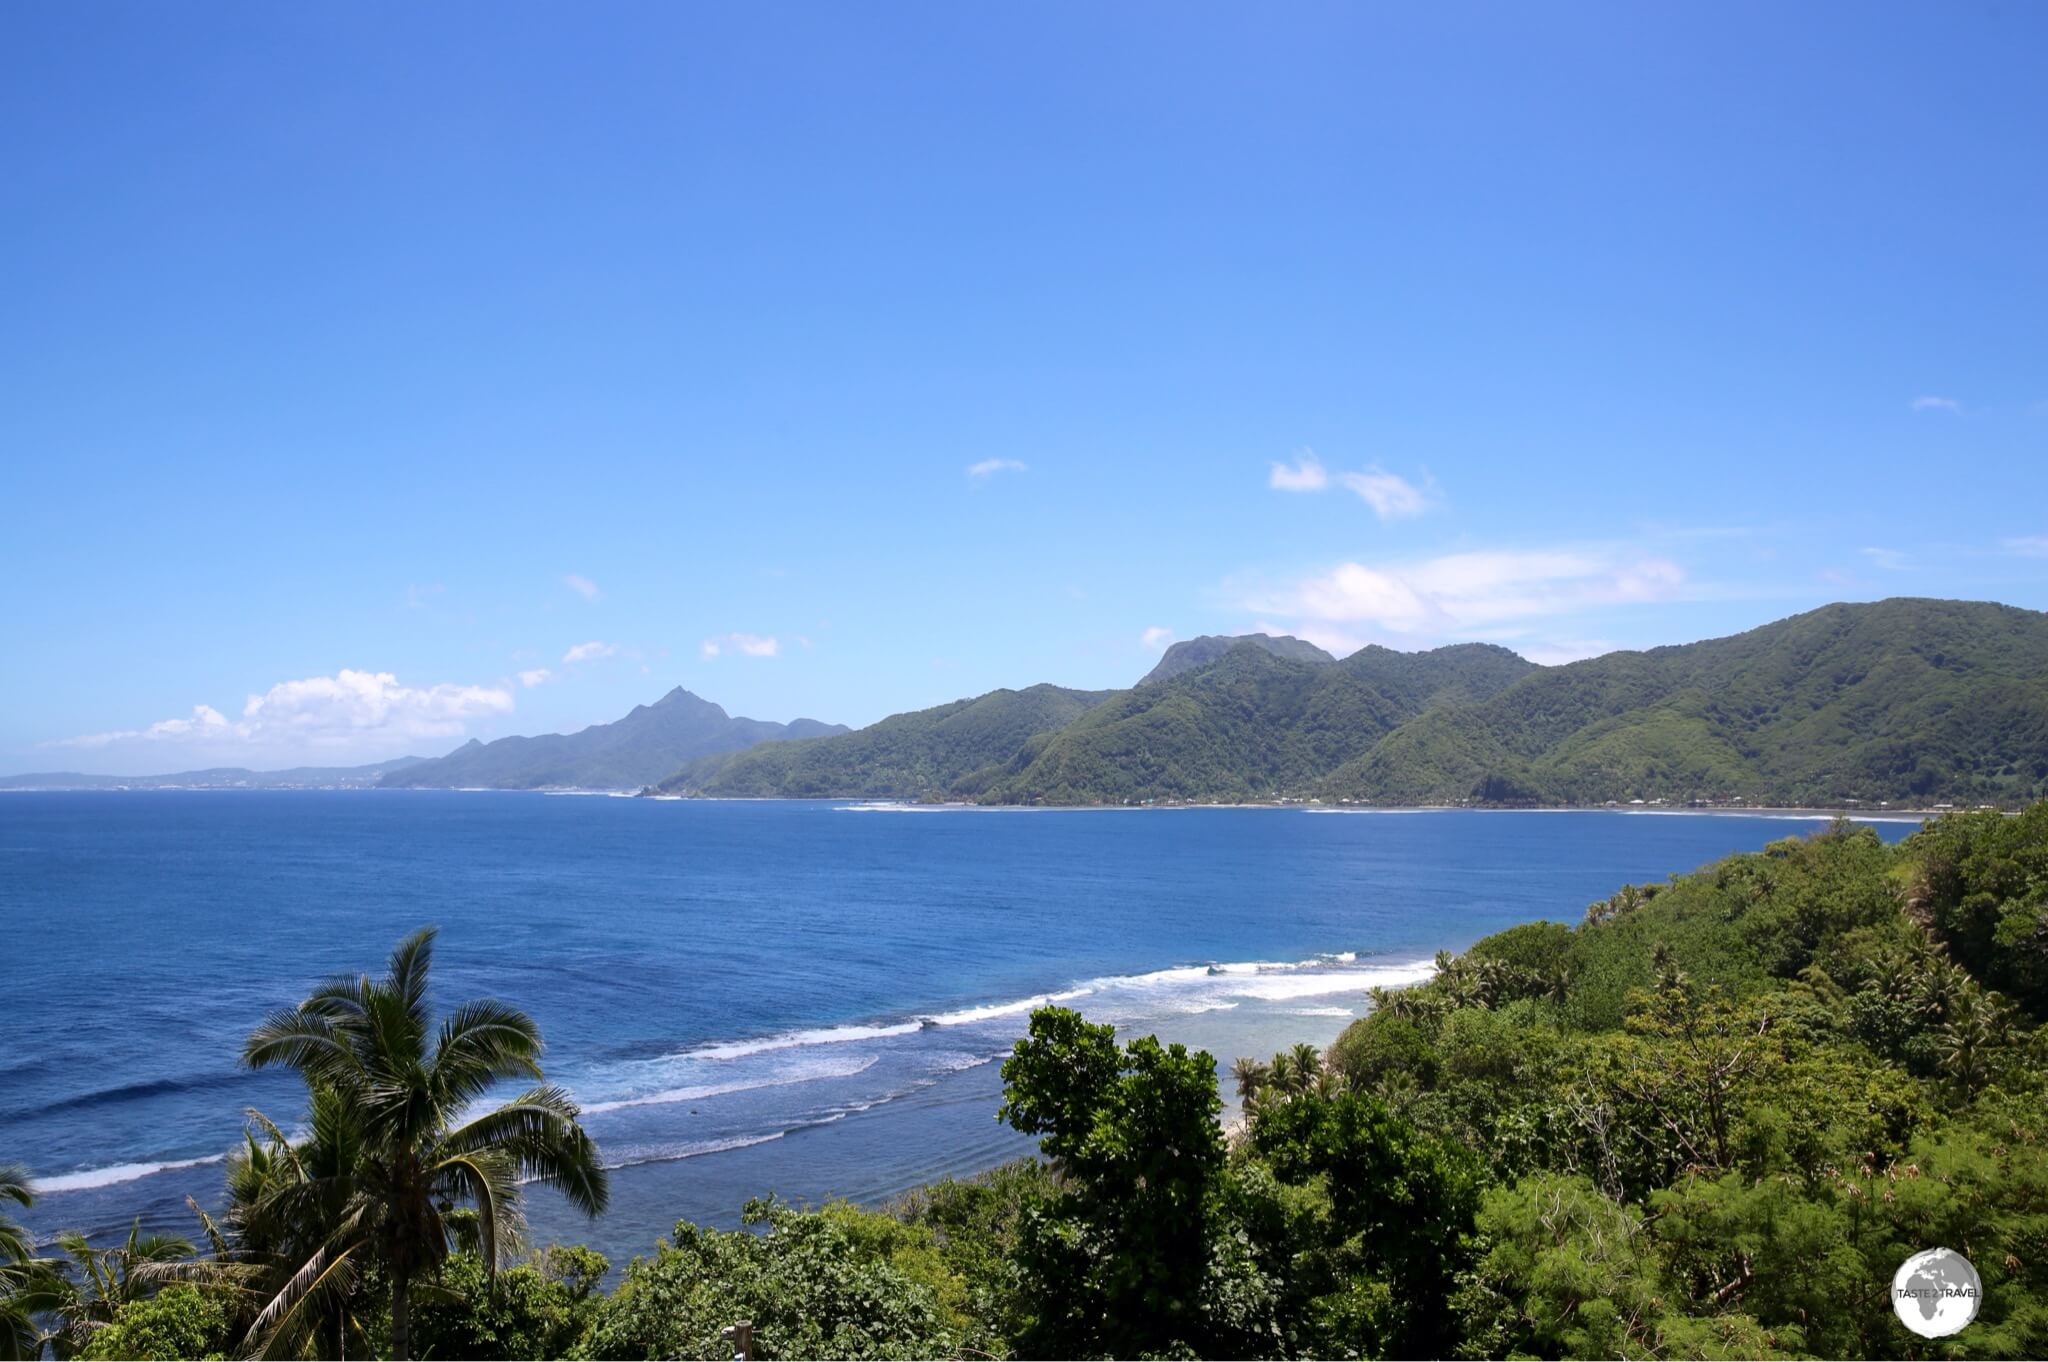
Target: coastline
{"points": [[885, 803]]}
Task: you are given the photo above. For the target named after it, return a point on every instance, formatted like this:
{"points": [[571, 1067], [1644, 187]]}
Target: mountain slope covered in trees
{"points": [[1897, 700], [1902, 700], [943, 751], [1250, 725]]}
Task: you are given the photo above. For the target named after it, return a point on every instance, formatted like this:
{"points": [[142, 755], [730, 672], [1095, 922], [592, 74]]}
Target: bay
{"points": [[805, 998]]}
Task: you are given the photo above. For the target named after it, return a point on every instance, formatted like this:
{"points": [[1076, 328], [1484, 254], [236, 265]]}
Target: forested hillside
{"points": [[1251, 725], [1907, 701], [929, 753], [1898, 700]]}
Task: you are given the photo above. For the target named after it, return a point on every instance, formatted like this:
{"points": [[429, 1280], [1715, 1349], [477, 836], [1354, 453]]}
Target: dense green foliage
{"points": [[543, 1308], [1907, 701], [1723, 1110], [1710, 1120], [629, 754], [833, 1283], [1902, 700], [181, 1321], [931, 753]]}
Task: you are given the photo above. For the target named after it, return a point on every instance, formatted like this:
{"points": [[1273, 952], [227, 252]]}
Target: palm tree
{"points": [[1250, 1076], [107, 1280], [1308, 1062], [395, 1093], [1280, 1076], [23, 1276], [285, 1201]]}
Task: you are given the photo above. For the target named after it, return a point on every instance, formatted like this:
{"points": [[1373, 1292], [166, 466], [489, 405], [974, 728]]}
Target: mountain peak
{"points": [[1191, 653], [647, 744]]}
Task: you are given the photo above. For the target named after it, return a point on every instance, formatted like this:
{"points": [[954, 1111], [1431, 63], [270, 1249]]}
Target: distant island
{"points": [[219, 778], [1909, 701], [648, 744], [644, 746]]}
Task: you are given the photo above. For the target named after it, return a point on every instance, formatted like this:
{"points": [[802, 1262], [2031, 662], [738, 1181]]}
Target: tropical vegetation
{"points": [[1708, 1119]]}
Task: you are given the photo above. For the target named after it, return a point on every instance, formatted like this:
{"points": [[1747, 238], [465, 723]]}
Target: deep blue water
{"points": [[803, 998]]}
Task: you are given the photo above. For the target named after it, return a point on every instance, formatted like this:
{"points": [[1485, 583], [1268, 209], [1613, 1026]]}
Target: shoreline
{"points": [[892, 804]]}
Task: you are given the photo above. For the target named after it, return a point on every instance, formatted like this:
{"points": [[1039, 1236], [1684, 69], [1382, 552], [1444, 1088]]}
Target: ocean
{"points": [[808, 998]]}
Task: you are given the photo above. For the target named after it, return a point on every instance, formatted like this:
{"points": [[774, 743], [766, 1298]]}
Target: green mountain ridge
{"points": [[1902, 700], [927, 753], [647, 744]]}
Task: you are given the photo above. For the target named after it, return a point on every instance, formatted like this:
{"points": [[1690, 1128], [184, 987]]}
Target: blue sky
{"points": [[377, 376]]}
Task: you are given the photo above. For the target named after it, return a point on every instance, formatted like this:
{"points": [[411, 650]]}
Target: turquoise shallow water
{"points": [[806, 997]]}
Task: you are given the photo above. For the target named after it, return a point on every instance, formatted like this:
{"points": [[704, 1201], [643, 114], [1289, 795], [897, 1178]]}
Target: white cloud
{"points": [[1458, 593], [2028, 546], [1891, 560], [1391, 496], [582, 586], [345, 709], [1305, 474], [535, 676], [206, 721], [588, 652], [1158, 636], [1561, 651], [1336, 642], [1936, 404], [988, 468], [748, 645]]}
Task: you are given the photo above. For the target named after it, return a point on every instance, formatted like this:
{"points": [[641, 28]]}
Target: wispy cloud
{"points": [[346, 709], [746, 645], [1158, 636], [1891, 560], [582, 586], [1936, 404], [988, 468], [1391, 496], [1305, 474], [588, 652], [535, 676], [1462, 594], [2027, 546], [418, 597]]}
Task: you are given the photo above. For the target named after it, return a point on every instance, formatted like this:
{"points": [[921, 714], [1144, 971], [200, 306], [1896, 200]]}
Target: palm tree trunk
{"points": [[401, 1317]]}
